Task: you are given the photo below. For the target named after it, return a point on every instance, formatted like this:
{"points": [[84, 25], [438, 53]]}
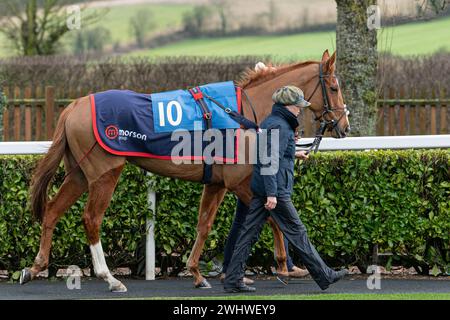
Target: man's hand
{"points": [[302, 155], [271, 203]]}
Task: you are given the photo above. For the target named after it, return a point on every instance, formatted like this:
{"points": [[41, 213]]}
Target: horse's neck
{"points": [[261, 94]]}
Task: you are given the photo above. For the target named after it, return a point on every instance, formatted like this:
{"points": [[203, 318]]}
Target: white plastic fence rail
{"points": [[383, 142], [352, 143]]}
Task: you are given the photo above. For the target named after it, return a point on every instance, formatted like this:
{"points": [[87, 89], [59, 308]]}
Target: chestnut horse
{"points": [[99, 172]]}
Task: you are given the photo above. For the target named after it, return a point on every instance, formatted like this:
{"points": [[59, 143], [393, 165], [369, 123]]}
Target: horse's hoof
{"points": [[25, 276], [204, 284], [118, 287], [283, 279]]}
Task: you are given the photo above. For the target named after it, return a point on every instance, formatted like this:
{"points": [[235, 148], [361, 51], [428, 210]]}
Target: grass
{"points": [[410, 39], [304, 46], [338, 296]]}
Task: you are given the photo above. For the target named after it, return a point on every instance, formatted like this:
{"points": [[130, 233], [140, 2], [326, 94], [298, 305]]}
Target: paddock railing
{"points": [[33, 119]]}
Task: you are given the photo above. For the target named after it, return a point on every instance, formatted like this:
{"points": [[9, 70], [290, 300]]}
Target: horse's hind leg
{"points": [[211, 199], [72, 188], [100, 193]]}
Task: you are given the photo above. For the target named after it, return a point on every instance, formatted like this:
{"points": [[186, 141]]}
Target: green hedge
{"points": [[349, 202]]}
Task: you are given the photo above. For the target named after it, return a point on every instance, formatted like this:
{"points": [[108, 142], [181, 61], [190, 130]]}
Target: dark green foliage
{"points": [[122, 229], [398, 200], [349, 202]]}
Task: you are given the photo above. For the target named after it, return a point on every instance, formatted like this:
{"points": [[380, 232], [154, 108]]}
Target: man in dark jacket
{"points": [[272, 184]]}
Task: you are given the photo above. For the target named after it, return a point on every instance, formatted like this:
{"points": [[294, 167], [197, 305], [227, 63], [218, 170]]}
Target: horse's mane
{"points": [[252, 78]]}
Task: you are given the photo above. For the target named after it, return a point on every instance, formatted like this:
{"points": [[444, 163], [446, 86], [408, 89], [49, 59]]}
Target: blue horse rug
{"points": [[127, 123]]}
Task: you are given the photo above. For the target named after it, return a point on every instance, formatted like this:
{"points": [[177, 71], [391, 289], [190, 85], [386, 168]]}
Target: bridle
{"points": [[327, 109]]}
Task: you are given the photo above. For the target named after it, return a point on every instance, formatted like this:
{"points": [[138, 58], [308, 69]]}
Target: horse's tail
{"points": [[47, 167]]}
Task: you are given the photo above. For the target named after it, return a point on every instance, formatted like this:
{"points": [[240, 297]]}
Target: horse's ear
{"points": [[325, 56], [330, 63]]}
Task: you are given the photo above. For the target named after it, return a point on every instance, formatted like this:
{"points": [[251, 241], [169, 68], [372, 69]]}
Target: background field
{"points": [[410, 39]]}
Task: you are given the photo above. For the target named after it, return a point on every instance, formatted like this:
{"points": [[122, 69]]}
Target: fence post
{"points": [[49, 110], [150, 235], [433, 123], [28, 115], [443, 123], [392, 112], [17, 117], [38, 120], [401, 113], [423, 113], [412, 113], [380, 115], [6, 116]]}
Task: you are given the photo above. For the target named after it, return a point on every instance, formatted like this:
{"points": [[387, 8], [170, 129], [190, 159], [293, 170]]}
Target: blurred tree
{"points": [[222, 7], [305, 17], [272, 15], [357, 59], [97, 38], [35, 27], [79, 44], [91, 40], [435, 6], [140, 25], [195, 21]]}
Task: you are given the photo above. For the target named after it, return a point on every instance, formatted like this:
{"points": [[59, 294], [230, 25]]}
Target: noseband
{"points": [[327, 109]]}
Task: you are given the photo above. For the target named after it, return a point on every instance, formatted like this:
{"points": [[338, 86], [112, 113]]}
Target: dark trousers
{"points": [[238, 222], [286, 216]]}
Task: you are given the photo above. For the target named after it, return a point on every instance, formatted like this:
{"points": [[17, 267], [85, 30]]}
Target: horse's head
{"points": [[326, 98], [317, 80]]}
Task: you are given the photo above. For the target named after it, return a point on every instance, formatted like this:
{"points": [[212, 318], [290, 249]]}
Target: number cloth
{"points": [[151, 125]]}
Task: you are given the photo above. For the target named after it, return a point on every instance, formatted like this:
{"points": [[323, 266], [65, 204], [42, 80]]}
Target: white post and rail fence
{"points": [[328, 144]]}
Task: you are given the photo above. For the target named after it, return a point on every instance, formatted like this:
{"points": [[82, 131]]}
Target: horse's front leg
{"points": [[211, 199]]}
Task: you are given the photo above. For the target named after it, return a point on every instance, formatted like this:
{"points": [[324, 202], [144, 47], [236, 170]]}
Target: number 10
{"points": [[169, 109]]}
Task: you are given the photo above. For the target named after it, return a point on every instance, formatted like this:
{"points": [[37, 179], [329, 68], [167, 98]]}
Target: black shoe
{"points": [[241, 288], [338, 275]]}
